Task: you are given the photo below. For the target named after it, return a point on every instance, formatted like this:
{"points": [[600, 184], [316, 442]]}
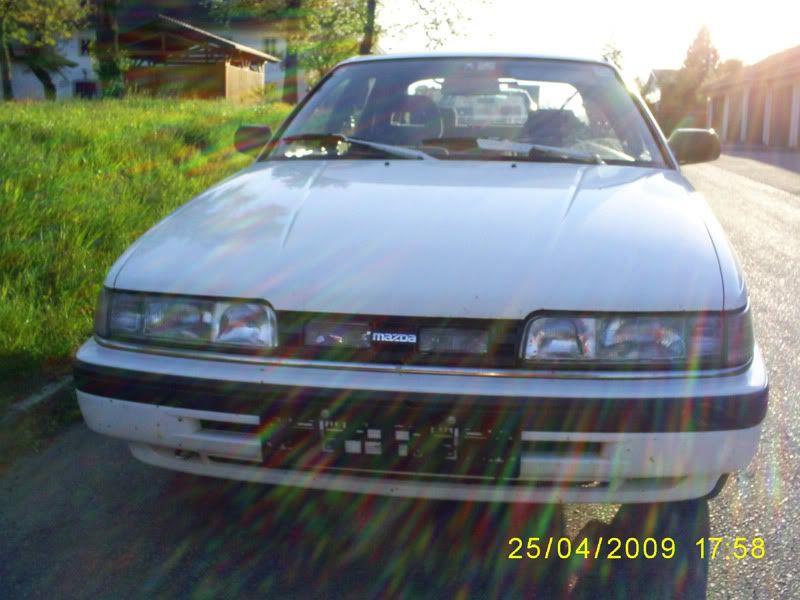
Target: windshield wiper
{"points": [[520, 150], [540, 152], [396, 151], [551, 153]]}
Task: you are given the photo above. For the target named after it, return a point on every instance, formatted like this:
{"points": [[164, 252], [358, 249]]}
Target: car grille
{"points": [[502, 347]]}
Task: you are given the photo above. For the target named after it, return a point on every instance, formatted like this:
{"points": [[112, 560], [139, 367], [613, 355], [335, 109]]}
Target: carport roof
{"points": [[777, 66], [165, 39]]}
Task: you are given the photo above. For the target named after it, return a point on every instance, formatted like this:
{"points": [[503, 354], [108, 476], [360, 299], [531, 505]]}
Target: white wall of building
{"points": [[794, 119], [767, 117], [26, 85], [744, 115]]}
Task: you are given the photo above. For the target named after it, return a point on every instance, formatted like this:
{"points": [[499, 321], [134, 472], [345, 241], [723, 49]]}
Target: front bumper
{"points": [[619, 438]]}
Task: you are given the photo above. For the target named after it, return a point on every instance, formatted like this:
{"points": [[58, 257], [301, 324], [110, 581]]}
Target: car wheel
{"points": [[717, 488], [682, 575]]}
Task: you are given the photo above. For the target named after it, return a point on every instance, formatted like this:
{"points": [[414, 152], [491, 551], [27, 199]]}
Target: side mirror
{"points": [[250, 139], [694, 145]]}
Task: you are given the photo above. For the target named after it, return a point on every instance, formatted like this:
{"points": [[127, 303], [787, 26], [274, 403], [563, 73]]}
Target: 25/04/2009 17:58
{"points": [[632, 548]]}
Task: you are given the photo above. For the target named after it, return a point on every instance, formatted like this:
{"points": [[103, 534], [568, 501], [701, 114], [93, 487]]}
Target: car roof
{"points": [[440, 54]]}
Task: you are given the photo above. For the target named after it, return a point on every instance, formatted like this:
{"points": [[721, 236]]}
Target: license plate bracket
{"points": [[475, 444]]}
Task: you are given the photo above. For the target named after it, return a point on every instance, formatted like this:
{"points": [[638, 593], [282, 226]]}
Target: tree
{"points": [[43, 62], [334, 30], [729, 67], [35, 24], [440, 20], [681, 103], [701, 62], [320, 33], [700, 65], [106, 52], [368, 40], [613, 54], [292, 15]]}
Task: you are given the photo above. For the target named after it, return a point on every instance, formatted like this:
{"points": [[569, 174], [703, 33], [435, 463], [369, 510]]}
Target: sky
{"points": [[651, 35]]}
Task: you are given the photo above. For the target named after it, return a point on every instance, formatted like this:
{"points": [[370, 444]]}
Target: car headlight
{"points": [[700, 340], [186, 320]]}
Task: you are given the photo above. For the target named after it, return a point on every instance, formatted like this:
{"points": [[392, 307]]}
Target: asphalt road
{"points": [[761, 216], [82, 519]]}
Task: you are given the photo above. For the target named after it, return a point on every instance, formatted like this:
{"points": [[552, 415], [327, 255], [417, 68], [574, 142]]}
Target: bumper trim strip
{"points": [[634, 415]]}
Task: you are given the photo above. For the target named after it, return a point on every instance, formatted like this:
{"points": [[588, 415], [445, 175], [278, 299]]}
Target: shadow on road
{"points": [[247, 540], [783, 158], [82, 519]]}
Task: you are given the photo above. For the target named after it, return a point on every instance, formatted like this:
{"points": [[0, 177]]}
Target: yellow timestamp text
{"points": [[736, 548], [616, 548], [612, 548]]}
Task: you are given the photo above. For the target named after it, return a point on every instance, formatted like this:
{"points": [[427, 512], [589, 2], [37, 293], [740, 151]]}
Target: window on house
{"points": [[85, 89], [85, 47], [271, 47]]}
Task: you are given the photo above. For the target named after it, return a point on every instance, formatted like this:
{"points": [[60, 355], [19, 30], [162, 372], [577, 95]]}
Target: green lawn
{"points": [[80, 181]]}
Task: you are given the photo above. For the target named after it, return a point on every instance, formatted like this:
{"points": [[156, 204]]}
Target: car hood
{"points": [[437, 238]]}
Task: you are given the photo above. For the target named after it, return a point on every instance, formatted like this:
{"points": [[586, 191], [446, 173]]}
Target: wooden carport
{"points": [[174, 58]]}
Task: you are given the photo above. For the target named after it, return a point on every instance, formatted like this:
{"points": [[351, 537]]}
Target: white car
{"points": [[386, 302]]}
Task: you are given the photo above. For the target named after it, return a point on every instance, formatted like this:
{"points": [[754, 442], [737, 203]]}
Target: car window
{"points": [[339, 110], [453, 108], [503, 108]]}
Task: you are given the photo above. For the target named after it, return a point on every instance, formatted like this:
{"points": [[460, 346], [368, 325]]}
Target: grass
{"points": [[80, 181]]}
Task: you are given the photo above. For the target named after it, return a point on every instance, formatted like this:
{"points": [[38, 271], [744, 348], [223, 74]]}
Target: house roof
{"points": [[777, 66], [166, 39]]}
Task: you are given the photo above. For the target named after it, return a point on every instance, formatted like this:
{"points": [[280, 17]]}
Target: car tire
{"points": [[717, 488], [660, 577]]}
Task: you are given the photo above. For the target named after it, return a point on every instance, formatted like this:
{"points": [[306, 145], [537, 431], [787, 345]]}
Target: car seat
{"points": [[407, 121], [551, 127]]}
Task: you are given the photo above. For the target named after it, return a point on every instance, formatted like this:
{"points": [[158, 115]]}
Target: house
{"points": [[81, 81], [172, 58], [759, 105]]}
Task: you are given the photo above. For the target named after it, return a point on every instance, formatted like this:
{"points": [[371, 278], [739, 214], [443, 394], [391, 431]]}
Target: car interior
{"points": [[449, 114], [416, 119]]}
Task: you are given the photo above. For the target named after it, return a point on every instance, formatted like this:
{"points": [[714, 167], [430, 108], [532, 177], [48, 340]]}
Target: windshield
{"points": [[471, 109]]}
